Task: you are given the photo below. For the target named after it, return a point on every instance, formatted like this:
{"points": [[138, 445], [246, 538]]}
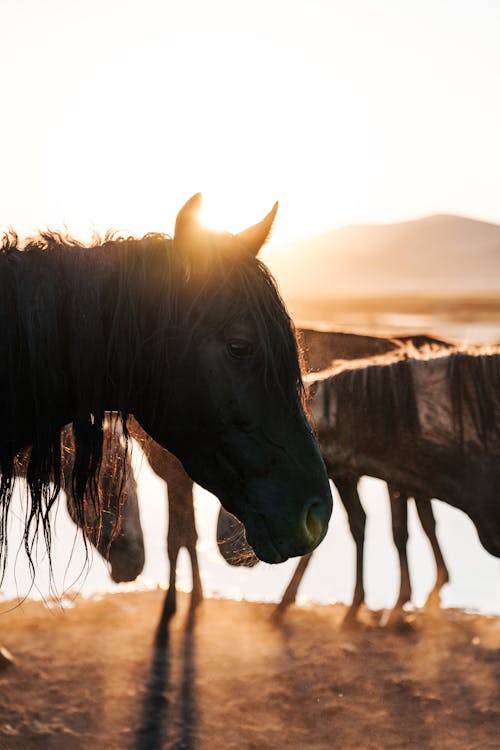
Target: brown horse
{"points": [[191, 337], [323, 349], [429, 424], [320, 350], [116, 533]]}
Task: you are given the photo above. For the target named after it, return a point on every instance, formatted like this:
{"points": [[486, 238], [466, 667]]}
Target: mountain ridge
{"points": [[436, 252]]}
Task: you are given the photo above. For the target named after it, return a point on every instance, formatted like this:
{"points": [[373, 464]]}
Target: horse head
{"points": [[232, 409], [232, 543], [115, 528]]}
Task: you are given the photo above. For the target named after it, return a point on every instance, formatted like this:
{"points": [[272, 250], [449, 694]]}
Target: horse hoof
{"points": [[279, 611], [398, 621], [433, 601], [349, 622]]}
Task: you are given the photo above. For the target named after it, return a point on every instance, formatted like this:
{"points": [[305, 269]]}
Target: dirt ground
{"points": [[108, 674]]}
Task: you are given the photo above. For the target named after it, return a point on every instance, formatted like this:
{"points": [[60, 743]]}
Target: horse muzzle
{"points": [[274, 539]]}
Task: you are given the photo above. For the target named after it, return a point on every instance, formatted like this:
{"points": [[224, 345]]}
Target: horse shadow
{"points": [[169, 715]]}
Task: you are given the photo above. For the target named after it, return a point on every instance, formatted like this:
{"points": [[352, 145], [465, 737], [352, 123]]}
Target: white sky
{"points": [[114, 112]]}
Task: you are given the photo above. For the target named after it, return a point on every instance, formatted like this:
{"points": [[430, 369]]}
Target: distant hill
{"points": [[434, 255]]}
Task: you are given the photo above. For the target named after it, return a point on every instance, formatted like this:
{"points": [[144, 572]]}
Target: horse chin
{"points": [[249, 538], [274, 536], [126, 558], [270, 546], [260, 540], [265, 549]]}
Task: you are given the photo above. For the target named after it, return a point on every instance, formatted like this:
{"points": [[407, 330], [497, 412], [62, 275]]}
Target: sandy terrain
{"points": [[102, 675]]}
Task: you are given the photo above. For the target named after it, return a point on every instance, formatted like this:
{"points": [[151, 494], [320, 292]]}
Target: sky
{"points": [[115, 112]]}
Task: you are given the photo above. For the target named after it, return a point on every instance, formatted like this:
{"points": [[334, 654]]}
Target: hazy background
{"points": [[375, 124], [114, 113]]}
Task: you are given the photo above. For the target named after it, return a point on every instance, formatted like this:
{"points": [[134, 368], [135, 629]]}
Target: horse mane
{"points": [[475, 392], [122, 295], [367, 394], [378, 397]]}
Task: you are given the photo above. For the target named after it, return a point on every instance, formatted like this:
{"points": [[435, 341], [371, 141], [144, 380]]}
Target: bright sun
{"points": [[243, 153], [232, 213]]}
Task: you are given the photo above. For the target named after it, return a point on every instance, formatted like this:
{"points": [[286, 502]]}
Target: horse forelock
{"points": [[276, 336], [242, 288]]}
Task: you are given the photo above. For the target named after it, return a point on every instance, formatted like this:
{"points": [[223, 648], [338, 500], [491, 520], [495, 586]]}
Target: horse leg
{"points": [[181, 522], [348, 491], [190, 539], [428, 521], [399, 515], [290, 594], [173, 548], [182, 525], [197, 591]]}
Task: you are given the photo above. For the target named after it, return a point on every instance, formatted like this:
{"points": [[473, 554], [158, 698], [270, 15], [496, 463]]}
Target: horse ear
{"points": [[187, 223], [190, 234], [254, 237]]}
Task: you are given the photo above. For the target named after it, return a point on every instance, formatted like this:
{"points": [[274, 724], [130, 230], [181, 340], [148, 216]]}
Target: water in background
{"points": [[475, 575]]}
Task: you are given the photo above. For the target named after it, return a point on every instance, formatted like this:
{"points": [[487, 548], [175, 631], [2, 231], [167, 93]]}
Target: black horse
{"points": [[190, 336]]}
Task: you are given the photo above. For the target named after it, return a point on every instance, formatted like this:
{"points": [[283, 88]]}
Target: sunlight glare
{"points": [[255, 148], [232, 213]]}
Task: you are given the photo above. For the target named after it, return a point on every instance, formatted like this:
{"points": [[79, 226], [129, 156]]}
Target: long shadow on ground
{"points": [[158, 725]]}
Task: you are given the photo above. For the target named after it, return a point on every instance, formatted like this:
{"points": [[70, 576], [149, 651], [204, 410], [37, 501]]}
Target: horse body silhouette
{"points": [[189, 335], [428, 424], [324, 349]]}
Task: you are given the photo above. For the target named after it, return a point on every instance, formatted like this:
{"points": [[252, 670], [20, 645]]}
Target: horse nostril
{"points": [[314, 520]]}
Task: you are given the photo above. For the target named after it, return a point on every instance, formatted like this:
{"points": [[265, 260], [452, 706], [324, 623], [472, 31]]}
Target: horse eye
{"points": [[240, 348]]}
